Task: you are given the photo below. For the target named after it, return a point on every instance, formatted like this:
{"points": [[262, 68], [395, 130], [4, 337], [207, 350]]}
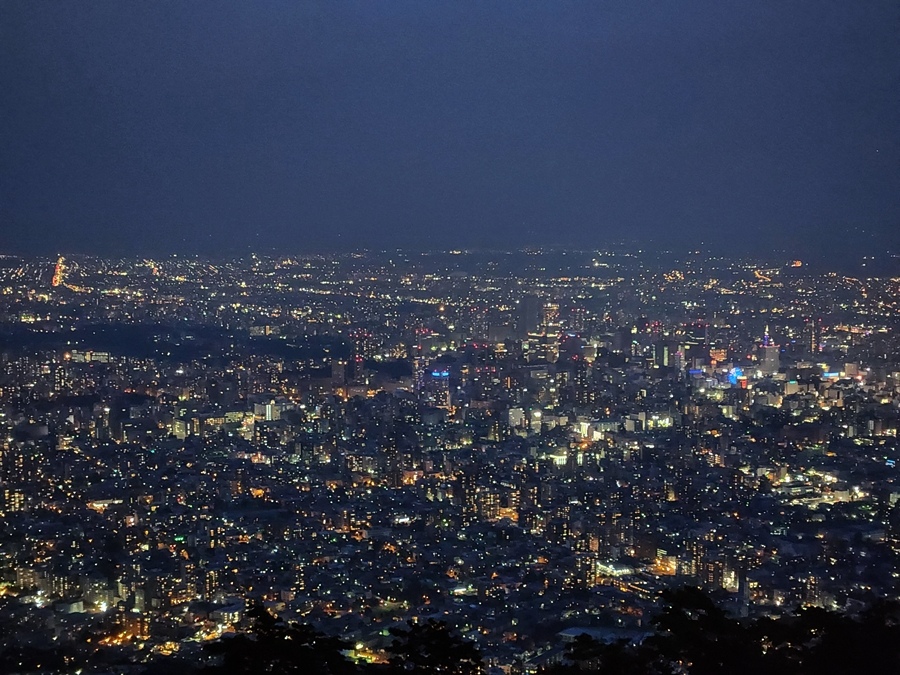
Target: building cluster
{"points": [[521, 444]]}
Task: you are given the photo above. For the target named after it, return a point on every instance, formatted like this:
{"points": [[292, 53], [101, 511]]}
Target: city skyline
{"points": [[484, 338], [521, 447]]}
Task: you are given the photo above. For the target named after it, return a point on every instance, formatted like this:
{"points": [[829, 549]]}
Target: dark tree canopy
{"points": [[432, 648], [274, 646], [697, 637]]}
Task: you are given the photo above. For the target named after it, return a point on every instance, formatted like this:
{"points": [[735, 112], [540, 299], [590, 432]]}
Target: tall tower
{"points": [[467, 484], [769, 359], [529, 319], [812, 335]]}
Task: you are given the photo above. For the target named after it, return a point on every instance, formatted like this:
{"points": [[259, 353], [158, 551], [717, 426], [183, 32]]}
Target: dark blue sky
{"points": [[212, 127]]}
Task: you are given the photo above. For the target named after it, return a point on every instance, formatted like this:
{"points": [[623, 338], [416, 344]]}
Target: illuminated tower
{"points": [[769, 360], [550, 318], [437, 388], [812, 335], [467, 486]]}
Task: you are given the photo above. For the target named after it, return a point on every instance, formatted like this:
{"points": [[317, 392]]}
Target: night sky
{"points": [[219, 127]]}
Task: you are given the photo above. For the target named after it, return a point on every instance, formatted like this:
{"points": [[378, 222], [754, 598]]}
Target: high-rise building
{"points": [[437, 388], [812, 335], [467, 486], [663, 354], [550, 317], [769, 359], [529, 318]]}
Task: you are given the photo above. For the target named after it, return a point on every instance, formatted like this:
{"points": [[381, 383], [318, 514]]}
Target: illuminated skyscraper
{"points": [[769, 360], [437, 388], [550, 317], [812, 335]]}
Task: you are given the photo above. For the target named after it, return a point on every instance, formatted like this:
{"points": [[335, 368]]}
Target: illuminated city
{"points": [[365, 439], [449, 338]]}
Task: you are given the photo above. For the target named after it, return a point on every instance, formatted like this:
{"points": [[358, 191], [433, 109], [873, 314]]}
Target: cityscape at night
{"points": [[449, 338], [365, 439]]}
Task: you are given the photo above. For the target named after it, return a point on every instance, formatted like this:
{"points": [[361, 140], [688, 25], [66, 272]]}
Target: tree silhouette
{"points": [[585, 651], [693, 636], [815, 640], [694, 632], [274, 646], [589, 655], [696, 637], [432, 648]]}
